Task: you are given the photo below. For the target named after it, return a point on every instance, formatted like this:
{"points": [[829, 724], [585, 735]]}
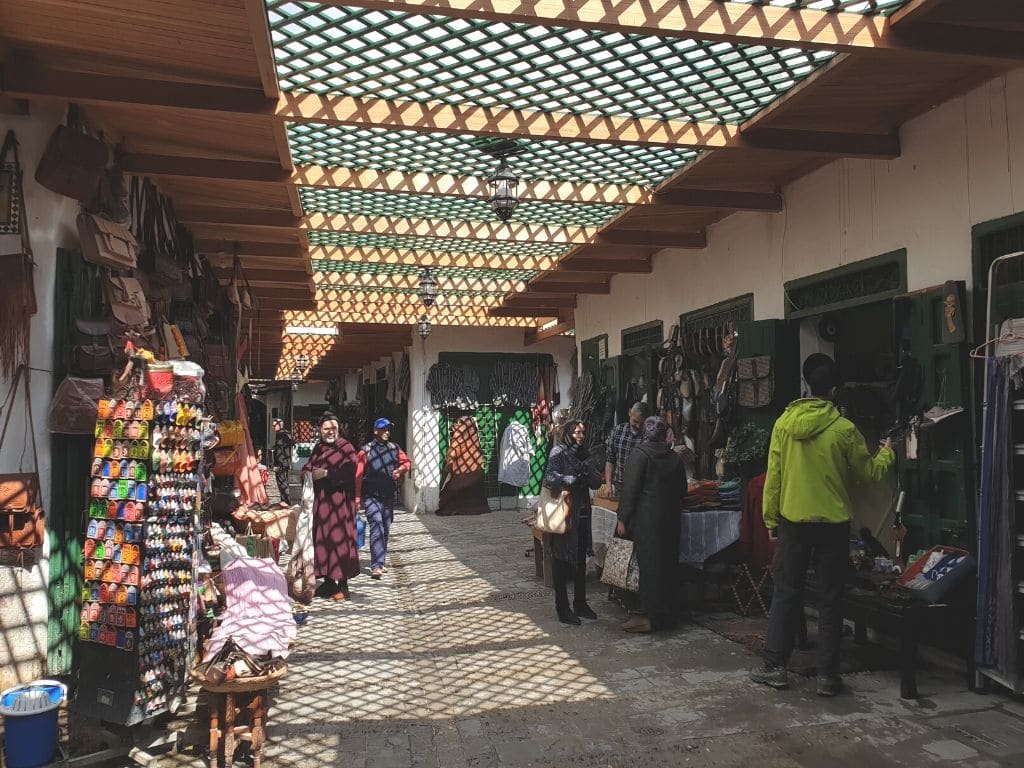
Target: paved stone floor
{"points": [[456, 659]]}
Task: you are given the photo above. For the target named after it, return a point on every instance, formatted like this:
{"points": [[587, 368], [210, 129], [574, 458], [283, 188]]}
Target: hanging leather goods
{"points": [[73, 162], [10, 187], [22, 521], [17, 289]]}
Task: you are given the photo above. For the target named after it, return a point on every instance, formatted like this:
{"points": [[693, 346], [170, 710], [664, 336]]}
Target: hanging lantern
{"points": [[428, 288], [423, 326], [301, 364], [503, 191]]}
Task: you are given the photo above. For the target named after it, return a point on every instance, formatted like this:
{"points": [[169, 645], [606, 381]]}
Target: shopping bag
{"points": [[552, 512], [620, 566], [301, 576], [256, 544]]}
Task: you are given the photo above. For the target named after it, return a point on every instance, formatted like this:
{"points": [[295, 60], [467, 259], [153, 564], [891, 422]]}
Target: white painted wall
{"points": [[422, 488], [23, 604], [961, 164]]}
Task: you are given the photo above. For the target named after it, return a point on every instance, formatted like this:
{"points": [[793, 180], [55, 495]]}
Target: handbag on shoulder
{"points": [[553, 512]]}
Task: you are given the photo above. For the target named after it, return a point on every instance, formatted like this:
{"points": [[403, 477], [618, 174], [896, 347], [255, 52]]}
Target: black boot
{"points": [[579, 602], [560, 575]]}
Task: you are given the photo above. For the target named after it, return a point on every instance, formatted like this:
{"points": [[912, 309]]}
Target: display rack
{"points": [[138, 604]]}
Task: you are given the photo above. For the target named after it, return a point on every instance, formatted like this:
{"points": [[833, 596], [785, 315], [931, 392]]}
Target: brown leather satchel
{"points": [[22, 522], [106, 243], [73, 163]]}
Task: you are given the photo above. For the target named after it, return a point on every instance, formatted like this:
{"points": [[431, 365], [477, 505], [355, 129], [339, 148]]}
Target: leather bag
{"points": [[22, 521], [553, 512], [106, 243], [756, 381], [620, 566], [10, 187], [73, 164], [128, 302], [93, 353]]}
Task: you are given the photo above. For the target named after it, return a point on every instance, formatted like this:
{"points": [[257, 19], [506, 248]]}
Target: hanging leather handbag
{"points": [[73, 163], [553, 512], [10, 187], [128, 302], [94, 353], [756, 381], [106, 243], [22, 522]]}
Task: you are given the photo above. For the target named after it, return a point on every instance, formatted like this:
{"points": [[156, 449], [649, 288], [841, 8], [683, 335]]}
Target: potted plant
{"points": [[746, 452]]}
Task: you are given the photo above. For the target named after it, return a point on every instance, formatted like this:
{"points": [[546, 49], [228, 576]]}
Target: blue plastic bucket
{"points": [[30, 722]]}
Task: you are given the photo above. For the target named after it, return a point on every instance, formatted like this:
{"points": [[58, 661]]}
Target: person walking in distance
{"points": [[282, 459], [620, 444], [380, 464], [814, 458]]}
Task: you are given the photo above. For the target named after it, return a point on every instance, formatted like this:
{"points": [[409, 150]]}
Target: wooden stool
{"points": [[249, 696]]}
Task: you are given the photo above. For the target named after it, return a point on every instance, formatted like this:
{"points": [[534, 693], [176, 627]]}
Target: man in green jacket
{"points": [[814, 459]]}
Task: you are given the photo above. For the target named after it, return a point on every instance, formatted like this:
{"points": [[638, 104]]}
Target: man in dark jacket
{"points": [[653, 490], [282, 459], [380, 465]]}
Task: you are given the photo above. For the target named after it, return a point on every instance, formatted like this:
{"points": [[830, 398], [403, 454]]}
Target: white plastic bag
{"points": [[301, 576]]}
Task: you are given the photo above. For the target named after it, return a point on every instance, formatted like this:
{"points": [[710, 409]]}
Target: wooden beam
{"points": [[731, 199], [607, 251], [252, 248], [685, 19], [648, 238], [538, 286], [523, 312], [203, 168], [630, 266], [248, 217], [537, 335], [372, 180], [913, 11], [733, 22], [546, 301], [429, 258], [876, 146], [22, 79], [497, 121], [12, 106], [993, 43], [259, 30], [473, 230]]}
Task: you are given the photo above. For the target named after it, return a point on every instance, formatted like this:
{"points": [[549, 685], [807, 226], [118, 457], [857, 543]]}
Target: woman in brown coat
{"points": [[332, 465]]}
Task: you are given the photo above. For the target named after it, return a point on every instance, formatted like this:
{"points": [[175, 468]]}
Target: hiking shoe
{"points": [[771, 675], [829, 685], [584, 611]]}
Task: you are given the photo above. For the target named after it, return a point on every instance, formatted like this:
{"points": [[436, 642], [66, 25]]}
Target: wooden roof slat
{"points": [[476, 230], [706, 20], [624, 266]]}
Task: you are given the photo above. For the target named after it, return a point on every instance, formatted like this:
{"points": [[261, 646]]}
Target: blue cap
{"points": [[382, 424]]}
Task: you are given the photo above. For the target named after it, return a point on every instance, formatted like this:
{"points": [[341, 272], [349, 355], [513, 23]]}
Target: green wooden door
{"points": [[938, 482], [778, 340], [76, 294]]}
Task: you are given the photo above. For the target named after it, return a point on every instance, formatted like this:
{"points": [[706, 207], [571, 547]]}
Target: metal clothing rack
{"points": [[991, 338]]}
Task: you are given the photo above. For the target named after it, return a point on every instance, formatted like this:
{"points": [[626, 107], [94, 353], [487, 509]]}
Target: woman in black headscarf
{"points": [[653, 490], [571, 472]]}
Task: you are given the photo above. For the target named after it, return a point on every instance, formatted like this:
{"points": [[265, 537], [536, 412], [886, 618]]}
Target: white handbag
{"points": [[552, 512]]}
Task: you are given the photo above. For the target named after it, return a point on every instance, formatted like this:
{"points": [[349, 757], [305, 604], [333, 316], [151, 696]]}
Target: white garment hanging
{"points": [[514, 455]]}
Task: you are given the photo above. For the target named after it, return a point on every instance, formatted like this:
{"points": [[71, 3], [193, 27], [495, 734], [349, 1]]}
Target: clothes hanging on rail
{"points": [[514, 455]]}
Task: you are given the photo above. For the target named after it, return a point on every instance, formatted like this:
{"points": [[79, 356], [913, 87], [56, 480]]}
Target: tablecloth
{"points": [[701, 534]]}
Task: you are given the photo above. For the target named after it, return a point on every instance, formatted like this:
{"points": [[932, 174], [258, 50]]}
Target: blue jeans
{"points": [[379, 516]]}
